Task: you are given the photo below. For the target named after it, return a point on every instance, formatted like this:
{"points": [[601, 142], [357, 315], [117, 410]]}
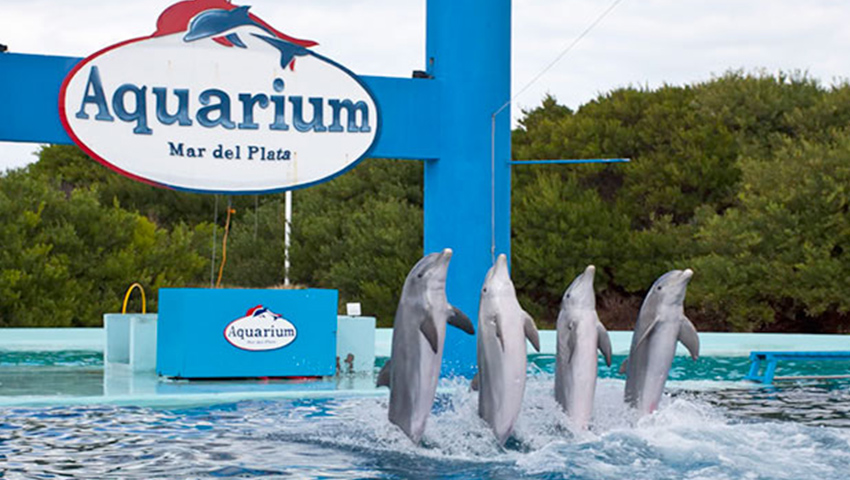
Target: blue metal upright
{"points": [[468, 51]]}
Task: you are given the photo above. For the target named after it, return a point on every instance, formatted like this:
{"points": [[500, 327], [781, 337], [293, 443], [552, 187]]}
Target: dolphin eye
{"points": [[419, 276], [568, 295], [659, 288]]}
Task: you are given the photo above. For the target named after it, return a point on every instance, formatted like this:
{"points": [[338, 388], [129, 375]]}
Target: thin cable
{"points": [[520, 92], [212, 255], [560, 55]]}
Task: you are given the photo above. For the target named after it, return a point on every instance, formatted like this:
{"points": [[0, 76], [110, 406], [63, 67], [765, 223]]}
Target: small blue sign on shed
{"points": [[242, 333]]}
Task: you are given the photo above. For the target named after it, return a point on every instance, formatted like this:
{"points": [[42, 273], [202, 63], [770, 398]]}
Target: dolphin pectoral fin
{"points": [[429, 329], [531, 331], [235, 40], [624, 366], [570, 343], [384, 375], [473, 385], [689, 337], [499, 331], [646, 332], [460, 320], [603, 342]]}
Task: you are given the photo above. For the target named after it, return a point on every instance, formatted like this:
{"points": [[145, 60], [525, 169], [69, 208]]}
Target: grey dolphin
{"points": [[503, 327], [661, 322], [580, 333], [419, 330]]}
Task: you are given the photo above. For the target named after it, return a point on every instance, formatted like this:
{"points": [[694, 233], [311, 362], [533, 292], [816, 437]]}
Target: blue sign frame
{"points": [[444, 120]]}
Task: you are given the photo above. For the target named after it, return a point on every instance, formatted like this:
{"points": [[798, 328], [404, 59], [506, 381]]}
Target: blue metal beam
{"points": [[569, 162], [29, 98]]}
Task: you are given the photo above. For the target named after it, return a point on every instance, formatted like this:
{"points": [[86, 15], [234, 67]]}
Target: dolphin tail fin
{"points": [[689, 337], [531, 331], [288, 50], [474, 384], [384, 375], [460, 320], [429, 329], [624, 366], [603, 342]]}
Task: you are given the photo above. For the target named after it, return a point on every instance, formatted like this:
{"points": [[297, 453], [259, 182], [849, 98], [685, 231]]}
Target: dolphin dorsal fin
{"points": [[603, 342], [460, 320], [429, 329], [689, 337], [474, 385], [384, 375], [531, 330]]}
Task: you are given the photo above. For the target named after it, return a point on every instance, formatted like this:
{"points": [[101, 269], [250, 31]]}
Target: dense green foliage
{"points": [[744, 178]]}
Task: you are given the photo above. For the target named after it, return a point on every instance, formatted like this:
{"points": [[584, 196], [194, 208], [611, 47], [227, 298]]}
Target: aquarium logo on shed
{"points": [[260, 329], [218, 100]]}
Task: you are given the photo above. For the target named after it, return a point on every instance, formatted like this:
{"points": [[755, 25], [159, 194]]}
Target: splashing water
{"points": [[703, 430]]}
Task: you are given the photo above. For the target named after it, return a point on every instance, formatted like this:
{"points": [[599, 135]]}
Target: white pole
{"points": [[287, 222]]}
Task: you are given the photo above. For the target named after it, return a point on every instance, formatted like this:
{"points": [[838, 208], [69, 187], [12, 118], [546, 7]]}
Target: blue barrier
{"points": [[771, 360]]}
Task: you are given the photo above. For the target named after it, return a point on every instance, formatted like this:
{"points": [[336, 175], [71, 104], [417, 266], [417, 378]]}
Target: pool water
{"points": [[710, 425]]}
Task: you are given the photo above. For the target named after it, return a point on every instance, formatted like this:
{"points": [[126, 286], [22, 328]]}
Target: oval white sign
{"points": [[260, 329], [219, 101]]}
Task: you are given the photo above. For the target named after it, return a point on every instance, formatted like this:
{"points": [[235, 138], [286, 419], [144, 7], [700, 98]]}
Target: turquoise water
{"points": [[710, 426]]}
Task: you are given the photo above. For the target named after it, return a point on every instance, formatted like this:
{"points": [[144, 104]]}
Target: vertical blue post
{"points": [[468, 50]]}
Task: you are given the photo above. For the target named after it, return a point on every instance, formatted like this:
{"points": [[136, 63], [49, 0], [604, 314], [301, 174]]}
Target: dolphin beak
{"points": [[687, 274], [192, 36], [590, 270]]}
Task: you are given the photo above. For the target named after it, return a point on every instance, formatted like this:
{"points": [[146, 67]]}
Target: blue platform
{"points": [[772, 359]]}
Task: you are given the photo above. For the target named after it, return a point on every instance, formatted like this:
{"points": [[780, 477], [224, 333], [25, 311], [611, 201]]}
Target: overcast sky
{"points": [[641, 43]]}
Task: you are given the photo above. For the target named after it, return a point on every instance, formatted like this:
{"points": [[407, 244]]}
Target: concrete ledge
{"points": [[712, 343], [52, 339], [720, 344]]}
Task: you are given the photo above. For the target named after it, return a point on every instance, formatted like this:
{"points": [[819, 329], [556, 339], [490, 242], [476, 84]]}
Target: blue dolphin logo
{"points": [[215, 22]]}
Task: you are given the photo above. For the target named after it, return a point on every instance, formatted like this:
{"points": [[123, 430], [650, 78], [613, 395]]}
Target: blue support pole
{"points": [[468, 54]]}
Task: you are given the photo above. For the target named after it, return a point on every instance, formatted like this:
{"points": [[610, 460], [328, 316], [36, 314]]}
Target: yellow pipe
{"points": [[127, 297], [224, 246]]}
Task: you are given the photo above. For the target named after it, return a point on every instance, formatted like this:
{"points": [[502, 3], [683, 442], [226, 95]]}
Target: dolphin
{"points": [[660, 323], [218, 22], [580, 334], [503, 327], [419, 330]]}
